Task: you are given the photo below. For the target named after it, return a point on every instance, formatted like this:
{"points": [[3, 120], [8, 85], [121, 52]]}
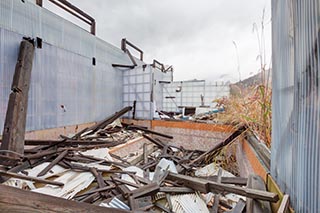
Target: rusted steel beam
{"points": [[125, 42], [39, 2], [123, 66], [75, 11], [155, 63], [75, 8], [15, 122], [70, 11], [131, 58]]}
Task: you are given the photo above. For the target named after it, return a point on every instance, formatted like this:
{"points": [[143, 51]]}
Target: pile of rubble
{"points": [[161, 178]]}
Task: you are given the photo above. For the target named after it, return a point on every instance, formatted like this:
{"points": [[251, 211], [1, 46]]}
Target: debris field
{"points": [[160, 178]]}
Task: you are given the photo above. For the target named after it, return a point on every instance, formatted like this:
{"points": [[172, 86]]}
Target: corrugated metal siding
{"points": [[295, 156], [60, 77], [62, 73]]}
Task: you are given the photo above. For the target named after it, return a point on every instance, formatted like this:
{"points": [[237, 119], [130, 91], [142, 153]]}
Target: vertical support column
{"points": [[15, 122]]}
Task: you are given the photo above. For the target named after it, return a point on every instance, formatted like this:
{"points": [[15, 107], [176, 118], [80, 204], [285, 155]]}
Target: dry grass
{"points": [[250, 106]]}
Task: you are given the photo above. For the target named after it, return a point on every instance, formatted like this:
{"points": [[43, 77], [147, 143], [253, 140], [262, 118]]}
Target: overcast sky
{"points": [[196, 37]]}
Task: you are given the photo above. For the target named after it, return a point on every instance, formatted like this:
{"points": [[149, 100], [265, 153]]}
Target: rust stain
{"points": [[254, 161]]}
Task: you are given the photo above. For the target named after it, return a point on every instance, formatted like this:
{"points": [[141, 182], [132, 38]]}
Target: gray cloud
{"points": [[194, 36]]}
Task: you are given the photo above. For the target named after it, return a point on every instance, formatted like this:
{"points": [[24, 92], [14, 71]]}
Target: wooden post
{"points": [[15, 122]]}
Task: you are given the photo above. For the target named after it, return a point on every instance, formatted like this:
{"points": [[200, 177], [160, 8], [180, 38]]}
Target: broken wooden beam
{"points": [[284, 206], [228, 180], [255, 205], [104, 123], [35, 179], [228, 140], [52, 163], [169, 189], [15, 122], [14, 200], [9, 160], [206, 186], [145, 190], [215, 206], [156, 142], [150, 131], [66, 142], [239, 207]]}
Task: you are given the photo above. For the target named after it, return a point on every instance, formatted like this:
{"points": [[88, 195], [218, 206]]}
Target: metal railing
{"points": [[75, 11], [157, 65], [125, 42]]}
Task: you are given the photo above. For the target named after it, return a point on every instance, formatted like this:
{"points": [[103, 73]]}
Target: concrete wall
{"points": [[192, 135]]}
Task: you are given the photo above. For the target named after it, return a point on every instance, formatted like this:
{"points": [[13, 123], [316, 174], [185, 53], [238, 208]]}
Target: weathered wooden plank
{"points": [[239, 207], [284, 206], [228, 180], [228, 140], [35, 179], [169, 189], [66, 142], [215, 206], [104, 122], [145, 156], [15, 122], [150, 131], [206, 186], [52, 163], [145, 190], [126, 182], [17, 200], [9, 161], [254, 205], [158, 143]]}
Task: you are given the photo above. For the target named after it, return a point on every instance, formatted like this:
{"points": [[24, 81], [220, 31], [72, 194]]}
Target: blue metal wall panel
{"points": [[60, 77], [62, 73], [295, 156]]}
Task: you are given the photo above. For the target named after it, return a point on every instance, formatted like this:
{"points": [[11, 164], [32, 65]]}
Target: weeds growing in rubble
{"points": [[251, 105]]}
